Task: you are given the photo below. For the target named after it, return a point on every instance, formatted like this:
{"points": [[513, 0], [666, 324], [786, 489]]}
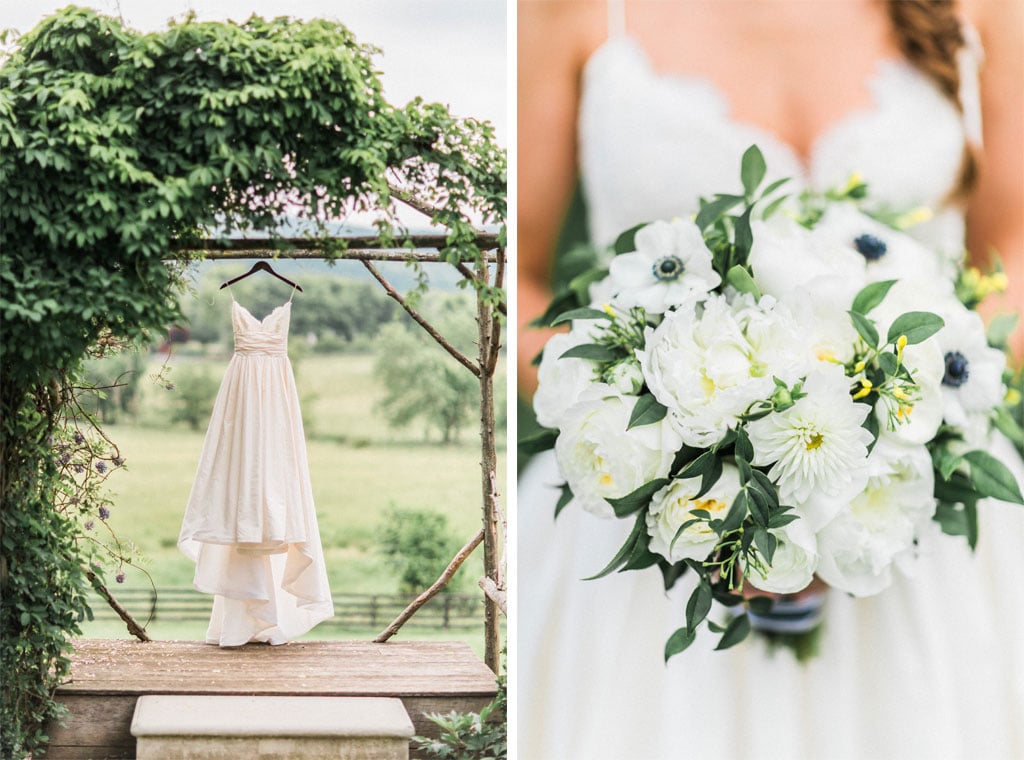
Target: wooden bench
{"points": [[109, 675], [270, 728]]}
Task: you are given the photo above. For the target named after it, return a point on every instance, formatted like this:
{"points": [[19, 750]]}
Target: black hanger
{"points": [[261, 266]]}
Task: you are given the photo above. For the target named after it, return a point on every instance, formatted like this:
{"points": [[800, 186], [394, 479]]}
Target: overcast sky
{"points": [[449, 51]]}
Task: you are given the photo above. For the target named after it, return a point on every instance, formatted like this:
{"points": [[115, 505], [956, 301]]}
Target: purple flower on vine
{"points": [[64, 458], [79, 438], [101, 467], [79, 469], [90, 525], [118, 461], [104, 513], [119, 577]]}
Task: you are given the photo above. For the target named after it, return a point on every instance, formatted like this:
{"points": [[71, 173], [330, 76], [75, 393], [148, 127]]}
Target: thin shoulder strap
{"points": [[292, 295], [616, 18], [232, 294], [969, 60]]}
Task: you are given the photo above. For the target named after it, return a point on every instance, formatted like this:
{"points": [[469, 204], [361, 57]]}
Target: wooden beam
{"points": [[360, 247]]}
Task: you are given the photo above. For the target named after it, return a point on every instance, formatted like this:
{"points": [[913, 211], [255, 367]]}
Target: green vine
{"points": [[118, 148]]}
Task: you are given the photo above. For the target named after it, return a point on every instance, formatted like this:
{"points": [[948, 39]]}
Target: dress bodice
{"points": [[267, 336], [651, 144]]}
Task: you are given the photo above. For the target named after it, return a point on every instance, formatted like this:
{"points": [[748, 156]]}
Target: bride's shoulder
{"points": [[557, 30]]}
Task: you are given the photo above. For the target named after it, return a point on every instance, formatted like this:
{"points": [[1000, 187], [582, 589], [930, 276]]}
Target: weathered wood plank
{"points": [[324, 668], [108, 676]]}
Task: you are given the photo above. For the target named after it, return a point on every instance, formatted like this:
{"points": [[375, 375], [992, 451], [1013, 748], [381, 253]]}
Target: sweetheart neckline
{"points": [[679, 80], [268, 316]]}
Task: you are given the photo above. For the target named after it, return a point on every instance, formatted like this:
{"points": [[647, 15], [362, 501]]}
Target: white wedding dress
{"points": [[250, 523], [933, 667]]}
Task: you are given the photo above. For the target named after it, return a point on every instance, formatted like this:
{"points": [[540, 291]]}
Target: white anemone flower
{"points": [[817, 446], [671, 265]]}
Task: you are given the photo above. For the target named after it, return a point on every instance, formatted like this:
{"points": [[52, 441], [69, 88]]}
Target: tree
{"points": [[194, 391], [422, 382], [418, 545]]}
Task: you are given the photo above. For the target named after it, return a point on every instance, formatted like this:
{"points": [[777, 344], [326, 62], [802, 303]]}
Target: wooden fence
{"points": [[445, 611]]}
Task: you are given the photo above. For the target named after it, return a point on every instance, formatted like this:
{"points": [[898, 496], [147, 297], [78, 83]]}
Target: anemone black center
{"points": [[957, 370], [668, 268], [870, 247]]}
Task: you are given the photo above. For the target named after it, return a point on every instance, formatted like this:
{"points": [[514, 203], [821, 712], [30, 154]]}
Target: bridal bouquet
{"points": [[770, 392]]}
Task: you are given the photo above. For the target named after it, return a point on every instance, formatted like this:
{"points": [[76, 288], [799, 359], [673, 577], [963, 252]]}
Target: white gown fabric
{"points": [[250, 524], [931, 668]]}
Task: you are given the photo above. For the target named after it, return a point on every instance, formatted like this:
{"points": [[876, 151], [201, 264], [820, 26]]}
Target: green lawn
{"points": [[359, 468]]}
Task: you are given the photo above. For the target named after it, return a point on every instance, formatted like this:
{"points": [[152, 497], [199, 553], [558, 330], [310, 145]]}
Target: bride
{"points": [[651, 105]]}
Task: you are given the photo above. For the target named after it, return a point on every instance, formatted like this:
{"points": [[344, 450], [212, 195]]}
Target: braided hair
{"points": [[929, 35]]}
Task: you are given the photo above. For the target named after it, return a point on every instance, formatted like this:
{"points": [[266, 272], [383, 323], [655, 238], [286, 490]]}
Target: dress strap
{"points": [[969, 60], [616, 18], [292, 295]]}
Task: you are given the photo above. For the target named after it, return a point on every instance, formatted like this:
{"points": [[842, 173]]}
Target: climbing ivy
{"points": [[117, 148]]}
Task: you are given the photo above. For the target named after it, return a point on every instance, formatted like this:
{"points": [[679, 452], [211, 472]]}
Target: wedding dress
{"points": [[933, 667], [250, 524]]}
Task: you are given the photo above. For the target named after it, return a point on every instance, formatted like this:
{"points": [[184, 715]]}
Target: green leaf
{"points": [[771, 209], [946, 461], [781, 519], [774, 186], [917, 326], [626, 242], [744, 448], [698, 466], [592, 351], [739, 277], [638, 499], [647, 411], [625, 551], [539, 440], [752, 170], [1008, 426], [678, 642], [1000, 329], [737, 512], [992, 478], [865, 328], [953, 521], [735, 632], [712, 211], [870, 296], [888, 363], [744, 237], [584, 313], [699, 604], [563, 499], [710, 477]]}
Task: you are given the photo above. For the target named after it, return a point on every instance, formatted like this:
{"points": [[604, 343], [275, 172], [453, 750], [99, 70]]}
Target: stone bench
{"points": [[199, 727]]}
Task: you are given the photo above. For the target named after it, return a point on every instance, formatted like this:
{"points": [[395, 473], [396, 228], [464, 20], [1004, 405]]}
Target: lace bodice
{"points": [[651, 144]]}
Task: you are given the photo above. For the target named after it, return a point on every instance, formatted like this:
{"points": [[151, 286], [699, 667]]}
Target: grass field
{"points": [[359, 468]]}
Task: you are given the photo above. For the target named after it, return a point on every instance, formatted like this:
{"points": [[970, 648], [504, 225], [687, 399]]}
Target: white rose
{"points": [[671, 265], [600, 459], [793, 564], [673, 505], [708, 366], [820, 309], [564, 382], [818, 445], [879, 526]]}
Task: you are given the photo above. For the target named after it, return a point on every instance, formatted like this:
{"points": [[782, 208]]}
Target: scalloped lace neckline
{"points": [[688, 84], [263, 321]]}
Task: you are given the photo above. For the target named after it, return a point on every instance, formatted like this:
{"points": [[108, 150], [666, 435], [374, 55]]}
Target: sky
{"points": [[447, 51]]}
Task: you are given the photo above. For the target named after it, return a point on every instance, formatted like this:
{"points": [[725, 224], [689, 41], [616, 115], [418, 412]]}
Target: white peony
{"points": [[793, 564], [564, 382], [671, 265], [626, 377], [817, 446], [820, 309], [600, 459], [879, 526], [708, 366], [673, 505]]}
